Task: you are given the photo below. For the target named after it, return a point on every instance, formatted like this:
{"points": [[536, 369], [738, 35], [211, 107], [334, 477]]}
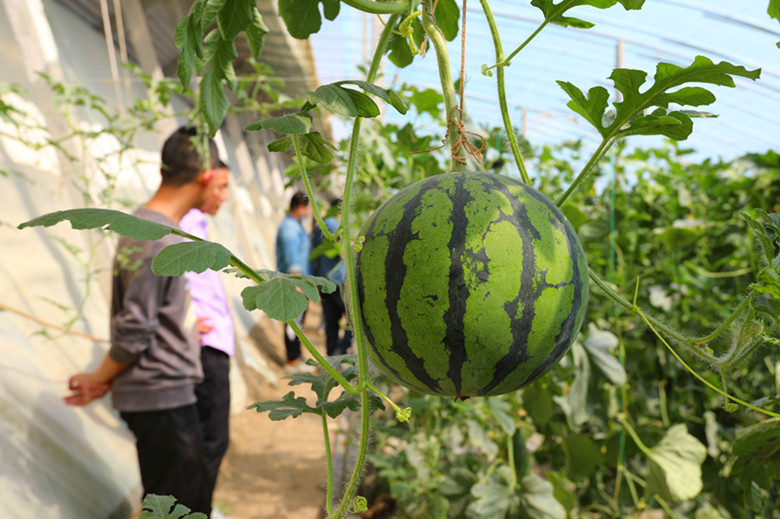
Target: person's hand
{"points": [[203, 325], [85, 388]]}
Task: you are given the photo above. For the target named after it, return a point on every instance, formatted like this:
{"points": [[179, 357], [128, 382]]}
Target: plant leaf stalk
{"points": [[353, 308], [502, 91], [597, 155], [447, 85], [314, 207], [328, 463], [688, 342], [702, 379]]}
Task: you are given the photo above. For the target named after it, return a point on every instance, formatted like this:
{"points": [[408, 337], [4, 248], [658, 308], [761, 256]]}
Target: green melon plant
{"points": [[467, 283]]}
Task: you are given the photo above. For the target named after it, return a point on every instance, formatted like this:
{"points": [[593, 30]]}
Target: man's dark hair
{"points": [[299, 199], [181, 159]]}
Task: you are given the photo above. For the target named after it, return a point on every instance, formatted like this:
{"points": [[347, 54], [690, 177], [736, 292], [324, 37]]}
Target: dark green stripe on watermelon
{"points": [[469, 284]]}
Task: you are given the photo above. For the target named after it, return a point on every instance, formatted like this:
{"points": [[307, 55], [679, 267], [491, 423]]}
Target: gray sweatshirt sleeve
{"points": [[138, 294]]}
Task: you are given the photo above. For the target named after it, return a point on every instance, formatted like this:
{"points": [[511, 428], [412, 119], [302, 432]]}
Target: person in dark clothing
{"points": [[293, 246], [153, 363], [217, 340], [333, 309]]}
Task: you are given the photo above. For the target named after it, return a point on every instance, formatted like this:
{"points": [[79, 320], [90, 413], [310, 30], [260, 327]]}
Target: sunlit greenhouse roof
{"points": [[673, 31]]}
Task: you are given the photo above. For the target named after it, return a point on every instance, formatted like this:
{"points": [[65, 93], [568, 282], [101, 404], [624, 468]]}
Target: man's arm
{"points": [[86, 387]]}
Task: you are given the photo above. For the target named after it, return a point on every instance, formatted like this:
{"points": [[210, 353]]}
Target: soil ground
{"points": [[274, 469]]}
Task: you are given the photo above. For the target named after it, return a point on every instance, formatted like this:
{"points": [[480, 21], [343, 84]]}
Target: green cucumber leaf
{"points": [[165, 507], [675, 466], [632, 115], [298, 123]]}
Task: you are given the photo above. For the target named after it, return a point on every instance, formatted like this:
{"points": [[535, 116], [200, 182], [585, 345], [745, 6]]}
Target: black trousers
{"points": [[292, 344], [214, 410], [332, 310], [171, 455]]}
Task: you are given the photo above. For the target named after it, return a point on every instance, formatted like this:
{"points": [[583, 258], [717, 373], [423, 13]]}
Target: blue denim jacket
{"points": [[331, 268], [293, 247]]}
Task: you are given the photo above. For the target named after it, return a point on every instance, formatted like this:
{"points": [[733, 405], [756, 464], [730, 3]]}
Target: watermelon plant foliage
{"points": [[490, 472]]}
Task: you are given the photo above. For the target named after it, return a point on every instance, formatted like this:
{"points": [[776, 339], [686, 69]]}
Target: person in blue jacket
{"points": [[333, 268], [293, 247]]}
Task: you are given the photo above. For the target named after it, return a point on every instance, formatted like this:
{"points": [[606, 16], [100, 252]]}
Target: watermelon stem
{"points": [[306, 182], [402, 415], [447, 85], [353, 308], [697, 375], [344, 383], [500, 64]]}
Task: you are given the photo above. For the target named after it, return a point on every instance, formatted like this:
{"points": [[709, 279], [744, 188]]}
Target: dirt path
{"points": [[274, 469]]}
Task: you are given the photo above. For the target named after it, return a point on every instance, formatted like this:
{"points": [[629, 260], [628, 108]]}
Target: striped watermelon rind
{"points": [[470, 284]]}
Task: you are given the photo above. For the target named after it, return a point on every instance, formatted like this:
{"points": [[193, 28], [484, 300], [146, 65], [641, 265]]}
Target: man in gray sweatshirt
{"points": [[153, 363]]}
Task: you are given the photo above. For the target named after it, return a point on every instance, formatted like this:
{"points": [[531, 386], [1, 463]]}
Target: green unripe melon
{"points": [[470, 284]]}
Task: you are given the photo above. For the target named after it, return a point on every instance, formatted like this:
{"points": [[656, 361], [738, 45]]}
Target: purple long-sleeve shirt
{"points": [[208, 294]]}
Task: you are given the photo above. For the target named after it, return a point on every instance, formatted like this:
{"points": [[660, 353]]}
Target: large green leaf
{"points": [[302, 17], [165, 507], [575, 403], [336, 99], [189, 40], [647, 112], [255, 32], [675, 466], [582, 456], [554, 13], [599, 345], [447, 14], [388, 95], [195, 256], [284, 296], [235, 16], [314, 147], [497, 496], [290, 124], [117, 221], [756, 453]]}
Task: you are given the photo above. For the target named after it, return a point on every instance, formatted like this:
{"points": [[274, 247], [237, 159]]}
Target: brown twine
{"points": [[457, 121]]}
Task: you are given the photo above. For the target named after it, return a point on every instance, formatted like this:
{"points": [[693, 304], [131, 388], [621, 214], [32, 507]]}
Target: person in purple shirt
{"points": [[215, 328]]}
